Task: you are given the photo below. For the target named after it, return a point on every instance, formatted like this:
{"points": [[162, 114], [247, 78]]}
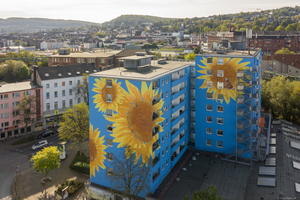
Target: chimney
{"points": [[34, 74]]}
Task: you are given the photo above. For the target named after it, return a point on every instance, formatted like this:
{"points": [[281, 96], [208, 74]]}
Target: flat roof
{"points": [[231, 53], [156, 70], [19, 86], [85, 55], [136, 57]]}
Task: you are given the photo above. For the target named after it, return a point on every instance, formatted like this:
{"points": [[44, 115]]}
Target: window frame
{"points": [[220, 131], [220, 72], [220, 98], [110, 111], [220, 146], [220, 61], [108, 143], [109, 100], [207, 119], [212, 60], [209, 74], [208, 131], [219, 118], [207, 107], [209, 84], [210, 94], [208, 142], [220, 107], [110, 83]]}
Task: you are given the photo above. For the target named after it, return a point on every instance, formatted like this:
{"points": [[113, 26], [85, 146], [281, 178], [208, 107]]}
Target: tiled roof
{"points": [[266, 57], [289, 59]]}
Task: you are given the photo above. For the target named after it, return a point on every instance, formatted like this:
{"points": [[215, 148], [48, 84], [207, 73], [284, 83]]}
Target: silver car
{"points": [[39, 145]]}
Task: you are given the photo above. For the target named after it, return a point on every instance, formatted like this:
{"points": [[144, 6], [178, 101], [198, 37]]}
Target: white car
{"points": [[39, 145]]}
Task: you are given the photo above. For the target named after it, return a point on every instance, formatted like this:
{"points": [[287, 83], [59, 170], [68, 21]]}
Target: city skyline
{"points": [[103, 11]]}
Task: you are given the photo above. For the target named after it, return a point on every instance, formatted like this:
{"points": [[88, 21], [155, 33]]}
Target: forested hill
{"points": [[25, 25], [131, 20]]}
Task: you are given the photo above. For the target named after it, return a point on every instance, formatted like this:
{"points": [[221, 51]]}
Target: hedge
{"points": [[73, 187], [81, 163]]}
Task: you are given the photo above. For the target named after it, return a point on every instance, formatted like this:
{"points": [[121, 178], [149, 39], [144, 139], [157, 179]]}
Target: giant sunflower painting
{"points": [[115, 90], [230, 69], [133, 124], [96, 150]]}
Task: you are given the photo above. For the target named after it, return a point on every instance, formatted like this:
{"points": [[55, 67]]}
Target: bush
{"points": [[73, 187], [24, 140], [81, 163]]}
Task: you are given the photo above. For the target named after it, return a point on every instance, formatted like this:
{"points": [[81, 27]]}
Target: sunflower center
{"points": [[93, 150], [229, 73], [108, 90], [139, 119]]}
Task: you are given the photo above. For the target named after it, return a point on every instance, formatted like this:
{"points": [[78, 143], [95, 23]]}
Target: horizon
{"points": [[178, 9]]}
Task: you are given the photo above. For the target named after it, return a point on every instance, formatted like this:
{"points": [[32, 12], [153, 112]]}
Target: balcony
{"points": [[180, 113], [240, 125], [155, 100], [155, 175], [155, 146], [174, 131], [155, 130], [174, 144], [240, 99], [240, 87], [182, 135], [240, 74], [155, 160], [154, 116], [182, 147], [240, 112], [254, 121], [173, 156]]}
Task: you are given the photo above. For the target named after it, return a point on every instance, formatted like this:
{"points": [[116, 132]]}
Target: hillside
{"points": [[131, 20], [24, 25]]}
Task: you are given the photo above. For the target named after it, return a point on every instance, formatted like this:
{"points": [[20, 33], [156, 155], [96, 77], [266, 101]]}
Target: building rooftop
{"points": [[231, 53], [154, 71], [136, 57], [18, 86], [131, 52], [85, 55]]}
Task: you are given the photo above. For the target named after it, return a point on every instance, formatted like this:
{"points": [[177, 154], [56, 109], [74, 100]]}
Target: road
{"points": [[10, 158]]}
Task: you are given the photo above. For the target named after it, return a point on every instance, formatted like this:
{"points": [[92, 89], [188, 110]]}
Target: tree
{"points": [[46, 160], [25, 111], [75, 126], [210, 193], [269, 28], [10, 71], [255, 28], [284, 51], [196, 50], [23, 73], [280, 28], [127, 177], [290, 27], [81, 90], [17, 43], [190, 56]]}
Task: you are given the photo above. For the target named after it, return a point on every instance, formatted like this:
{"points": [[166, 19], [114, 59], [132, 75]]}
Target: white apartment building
{"points": [[58, 83]]}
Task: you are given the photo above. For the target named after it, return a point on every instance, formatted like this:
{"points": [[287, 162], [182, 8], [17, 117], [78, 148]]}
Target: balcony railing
{"points": [[173, 144], [182, 147], [173, 156], [180, 113], [182, 135], [174, 131], [155, 101]]}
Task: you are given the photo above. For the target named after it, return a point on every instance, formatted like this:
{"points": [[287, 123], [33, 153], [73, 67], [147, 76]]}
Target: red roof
{"points": [[267, 57], [289, 59]]}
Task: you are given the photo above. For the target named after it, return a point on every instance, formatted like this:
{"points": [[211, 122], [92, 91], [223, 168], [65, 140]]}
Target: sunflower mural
{"points": [[96, 150], [103, 88], [230, 69], [133, 124]]}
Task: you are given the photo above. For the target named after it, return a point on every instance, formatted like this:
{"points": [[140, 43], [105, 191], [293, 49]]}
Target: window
{"points": [[220, 85], [70, 91], [71, 103], [163, 95], [109, 171], [167, 107], [219, 144], [109, 113], [55, 84], [47, 95], [109, 142], [167, 80], [109, 127], [220, 120], [70, 82], [220, 73], [209, 95], [208, 142], [4, 124], [209, 60], [108, 83], [162, 81], [63, 92], [15, 104], [209, 107], [4, 115], [220, 61], [78, 82], [289, 71], [209, 72], [16, 94], [109, 156], [4, 105], [63, 103], [209, 119], [167, 94], [209, 131], [167, 162], [163, 153], [63, 83], [55, 94], [163, 139], [4, 96], [220, 132], [16, 122], [109, 98], [47, 86], [16, 113], [220, 109], [167, 149], [220, 96], [209, 84], [27, 93], [167, 135], [55, 105], [102, 61], [167, 121], [163, 124], [48, 106]]}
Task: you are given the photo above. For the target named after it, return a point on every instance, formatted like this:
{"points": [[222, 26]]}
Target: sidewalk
{"points": [[28, 185]]}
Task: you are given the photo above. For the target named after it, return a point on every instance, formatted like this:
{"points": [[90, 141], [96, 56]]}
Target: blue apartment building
{"points": [[160, 108]]}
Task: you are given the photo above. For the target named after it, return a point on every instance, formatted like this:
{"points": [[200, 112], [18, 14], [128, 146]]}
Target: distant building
{"points": [[282, 63]]}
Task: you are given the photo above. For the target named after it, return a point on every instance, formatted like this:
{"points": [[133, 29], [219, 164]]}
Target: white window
{"points": [[219, 144], [220, 132], [220, 109], [209, 119], [4, 96], [63, 93], [220, 61], [109, 113], [27, 93], [70, 82], [163, 139], [4, 124], [167, 80], [109, 142], [167, 121], [55, 84], [167, 162], [209, 72], [109, 156], [109, 127], [48, 106], [167, 94], [15, 113], [63, 103], [220, 96], [209, 60], [208, 130], [162, 81], [167, 149], [220, 120], [16, 94], [209, 95], [289, 71], [109, 98], [102, 61], [4, 115], [220, 85], [47, 86], [55, 105], [209, 84], [220, 73], [16, 122], [15, 104], [209, 107], [208, 142], [108, 83], [109, 171], [47, 95], [163, 124], [4, 105], [163, 167], [167, 135], [71, 103], [70, 91], [55, 94], [163, 153]]}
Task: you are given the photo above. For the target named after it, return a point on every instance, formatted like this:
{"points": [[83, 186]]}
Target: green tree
{"points": [[196, 50], [81, 90], [280, 28], [206, 29], [46, 160], [290, 27], [269, 28], [23, 44], [284, 51], [17, 43], [128, 177], [190, 56], [224, 28], [211, 193], [75, 126], [25, 111], [154, 45], [23, 73], [255, 28]]}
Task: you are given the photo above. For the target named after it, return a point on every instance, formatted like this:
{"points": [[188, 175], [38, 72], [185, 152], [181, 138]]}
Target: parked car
{"points": [[39, 145], [47, 133]]}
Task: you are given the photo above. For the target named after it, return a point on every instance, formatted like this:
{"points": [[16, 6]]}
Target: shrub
{"points": [[81, 164], [73, 187], [24, 140]]}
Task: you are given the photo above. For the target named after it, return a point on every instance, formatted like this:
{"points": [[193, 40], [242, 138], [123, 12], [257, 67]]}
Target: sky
{"points": [[101, 11]]}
